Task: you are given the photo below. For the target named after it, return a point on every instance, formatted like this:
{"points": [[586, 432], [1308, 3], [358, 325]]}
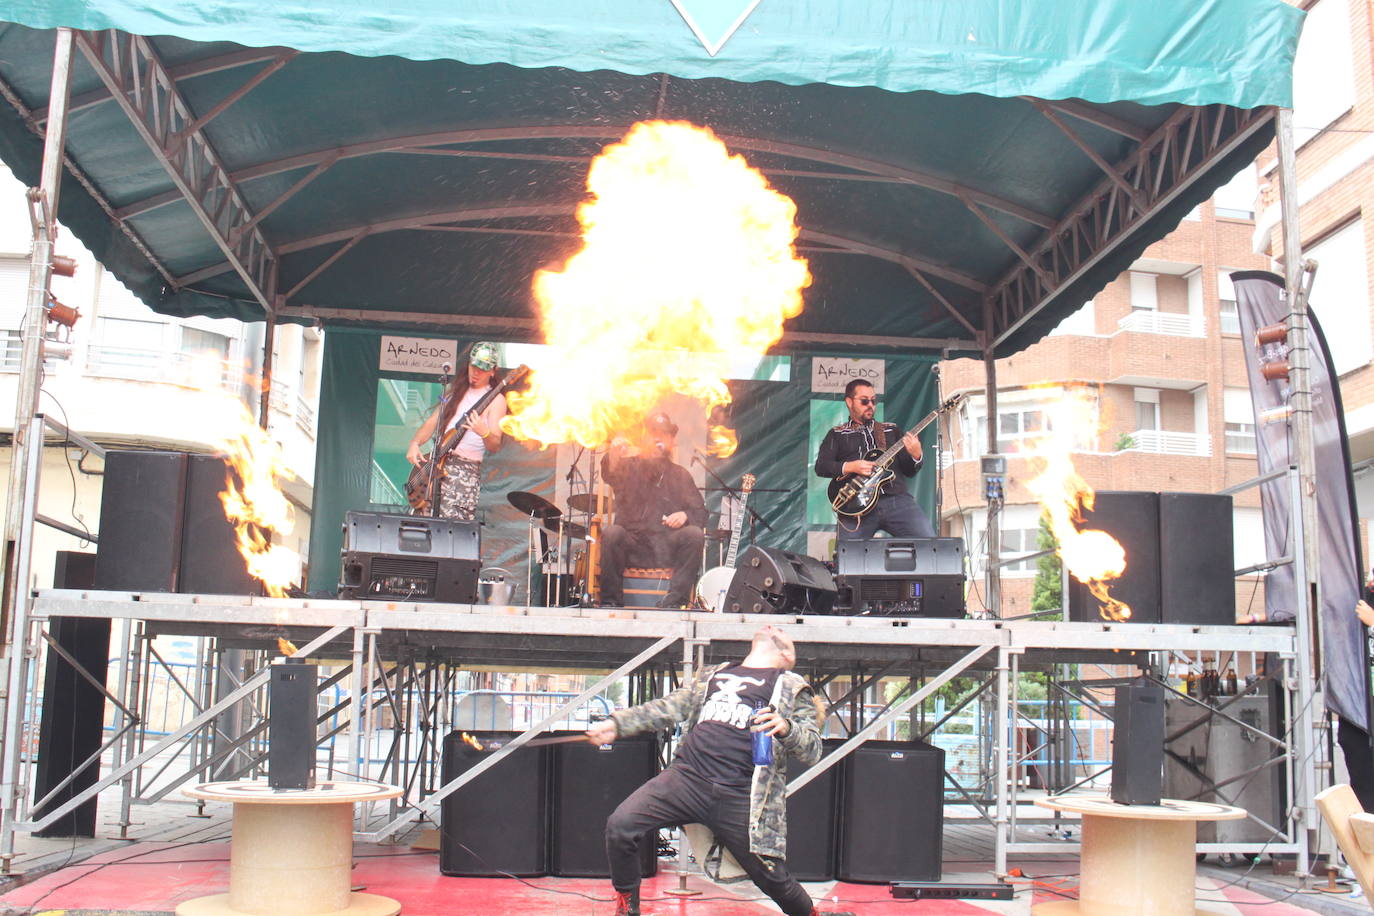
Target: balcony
{"points": [[1162, 442], [183, 369], [1171, 324]]}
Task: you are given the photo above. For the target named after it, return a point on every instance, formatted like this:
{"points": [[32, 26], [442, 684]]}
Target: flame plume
{"points": [[473, 742], [687, 261], [1093, 557]]}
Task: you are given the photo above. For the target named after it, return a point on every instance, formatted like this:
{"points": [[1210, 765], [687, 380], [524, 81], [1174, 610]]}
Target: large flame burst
{"points": [[687, 262], [1093, 557], [253, 499]]}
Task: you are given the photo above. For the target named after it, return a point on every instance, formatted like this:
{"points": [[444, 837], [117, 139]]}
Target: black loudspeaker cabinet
{"points": [[892, 818], [73, 709], [498, 823], [291, 727], [772, 581], [1138, 743], [141, 521], [409, 557], [588, 784], [812, 824], [210, 560], [1132, 517], [1197, 582], [902, 577]]}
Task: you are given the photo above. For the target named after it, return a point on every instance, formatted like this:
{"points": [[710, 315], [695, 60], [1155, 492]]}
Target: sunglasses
{"points": [[866, 401]]}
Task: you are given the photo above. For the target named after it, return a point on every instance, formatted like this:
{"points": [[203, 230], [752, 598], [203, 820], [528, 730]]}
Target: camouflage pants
{"points": [[461, 486]]}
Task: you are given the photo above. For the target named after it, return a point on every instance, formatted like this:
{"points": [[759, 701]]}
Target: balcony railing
{"points": [[1174, 324], [1161, 442], [184, 369]]}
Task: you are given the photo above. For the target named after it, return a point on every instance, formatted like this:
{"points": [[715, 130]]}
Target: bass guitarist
{"points": [[462, 471], [843, 451]]}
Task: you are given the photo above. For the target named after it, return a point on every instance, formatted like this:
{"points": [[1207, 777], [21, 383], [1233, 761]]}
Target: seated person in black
{"points": [[660, 517]]}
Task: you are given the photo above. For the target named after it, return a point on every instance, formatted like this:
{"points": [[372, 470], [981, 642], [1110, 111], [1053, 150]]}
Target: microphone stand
{"points": [[436, 480], [754, 517]]}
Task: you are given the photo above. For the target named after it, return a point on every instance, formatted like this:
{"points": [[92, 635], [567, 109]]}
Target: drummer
{"points": [[660, 515]]}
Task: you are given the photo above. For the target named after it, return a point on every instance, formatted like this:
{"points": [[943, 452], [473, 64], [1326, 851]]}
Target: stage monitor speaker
{"points": [[141, 521], [772, 581], [1138, 743], [210, 560], [409, 557], [72, 719], [589, 783], [1197, 583], [892, 817], [291, 726], [902, 577], [1132, 517], [812, 822], [498, 823]]}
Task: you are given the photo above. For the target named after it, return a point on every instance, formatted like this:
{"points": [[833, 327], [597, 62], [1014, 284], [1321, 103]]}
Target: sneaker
{"points": [[627, 903]]}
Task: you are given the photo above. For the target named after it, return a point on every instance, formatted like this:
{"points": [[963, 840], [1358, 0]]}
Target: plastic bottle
{"points": [[1232, 685], [763, 742]]}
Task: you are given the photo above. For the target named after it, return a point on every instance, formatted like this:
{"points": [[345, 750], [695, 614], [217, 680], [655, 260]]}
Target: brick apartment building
{"points": [[1161, 342]]}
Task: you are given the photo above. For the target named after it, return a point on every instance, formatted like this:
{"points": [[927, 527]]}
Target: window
{"points": [[1236, 198], [1019, 540], [1238, 412], [1013, 428], [1340, 295], [1146, 408], [1144, 291], [197, 341], [1226, 298], [129, 334], [1323, 77]]}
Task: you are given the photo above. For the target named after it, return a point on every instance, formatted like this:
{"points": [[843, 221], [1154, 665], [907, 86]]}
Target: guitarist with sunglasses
{"points": [[462, 470], [843, 452]]}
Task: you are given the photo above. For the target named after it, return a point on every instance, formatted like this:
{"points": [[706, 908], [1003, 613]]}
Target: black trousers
{"points": [[896, 513], [679, 548], [678, 796], [1359, 760]]}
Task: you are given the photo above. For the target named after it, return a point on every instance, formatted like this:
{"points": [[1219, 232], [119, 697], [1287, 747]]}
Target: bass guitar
{"points": [[853, 495], [715, 582], [420, 484]]}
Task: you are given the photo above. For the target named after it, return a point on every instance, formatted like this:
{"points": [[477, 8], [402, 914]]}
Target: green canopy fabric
{"points": [[420, 161], [1195, 52]]}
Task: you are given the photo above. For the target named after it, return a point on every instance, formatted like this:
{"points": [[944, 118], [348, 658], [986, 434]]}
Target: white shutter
{"points": [[14, 291]]}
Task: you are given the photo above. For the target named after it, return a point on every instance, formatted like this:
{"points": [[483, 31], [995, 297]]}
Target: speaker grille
{"points": [[403, 566]]}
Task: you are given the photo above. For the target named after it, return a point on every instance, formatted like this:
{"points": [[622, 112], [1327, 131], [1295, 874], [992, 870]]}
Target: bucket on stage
{"points": [[494, 586]]}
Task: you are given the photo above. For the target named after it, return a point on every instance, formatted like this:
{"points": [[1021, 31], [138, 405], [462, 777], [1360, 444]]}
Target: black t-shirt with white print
{"points": [[720, 746]]}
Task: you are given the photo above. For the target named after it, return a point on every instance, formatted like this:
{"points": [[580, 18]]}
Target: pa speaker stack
{"points": [[1179, 557], [162, 527], [902, 577], [409, 557], [772, 581], [542, 810]]}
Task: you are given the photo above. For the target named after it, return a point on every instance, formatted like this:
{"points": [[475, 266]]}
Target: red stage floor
{"points": [[155, 877]]}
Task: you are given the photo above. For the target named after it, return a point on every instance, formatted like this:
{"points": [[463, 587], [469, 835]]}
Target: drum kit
{"points": [[563, 564]]}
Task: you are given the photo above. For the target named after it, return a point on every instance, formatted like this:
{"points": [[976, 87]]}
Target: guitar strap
{"points": [[879, 435]]}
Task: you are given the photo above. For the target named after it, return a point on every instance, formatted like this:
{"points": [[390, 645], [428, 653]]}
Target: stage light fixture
{"points": [[63, 266], [61, 314]]}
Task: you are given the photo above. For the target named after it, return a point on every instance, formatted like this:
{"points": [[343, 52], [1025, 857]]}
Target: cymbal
{"points": [[586, 502], [571, 529], [533, 504]]}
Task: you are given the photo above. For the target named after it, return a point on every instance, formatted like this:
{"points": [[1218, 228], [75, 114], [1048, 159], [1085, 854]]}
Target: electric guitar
{"points": [[420, 484], [854, 495], [715, 582]]}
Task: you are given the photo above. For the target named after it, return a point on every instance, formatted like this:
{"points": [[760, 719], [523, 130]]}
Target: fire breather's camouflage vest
{"points": [[792, 697]]}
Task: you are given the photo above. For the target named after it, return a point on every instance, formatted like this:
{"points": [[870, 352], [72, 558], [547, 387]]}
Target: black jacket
{"points": [[646, 489], [851, 441]]}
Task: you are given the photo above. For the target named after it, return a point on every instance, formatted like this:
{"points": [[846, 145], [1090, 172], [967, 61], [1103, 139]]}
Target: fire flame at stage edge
{"points": [[1093, 557], [687, 266], [473, 742]]}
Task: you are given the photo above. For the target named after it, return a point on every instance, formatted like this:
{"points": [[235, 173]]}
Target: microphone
{"points": [[447, 368]]}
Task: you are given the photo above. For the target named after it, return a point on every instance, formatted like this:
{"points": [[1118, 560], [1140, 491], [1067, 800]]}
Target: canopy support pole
{"points": [[27, 450], [1307, 596], [994, 522]]}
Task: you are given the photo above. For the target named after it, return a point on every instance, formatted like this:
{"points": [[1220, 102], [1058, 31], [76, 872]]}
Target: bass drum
{"points": [[712, 586]]}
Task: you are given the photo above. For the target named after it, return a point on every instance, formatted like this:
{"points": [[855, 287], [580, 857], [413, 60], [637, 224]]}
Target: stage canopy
{"points": [[967, 172]]}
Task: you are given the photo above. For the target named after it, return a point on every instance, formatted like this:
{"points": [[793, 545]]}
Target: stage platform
{"points": [[602, 638]]}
